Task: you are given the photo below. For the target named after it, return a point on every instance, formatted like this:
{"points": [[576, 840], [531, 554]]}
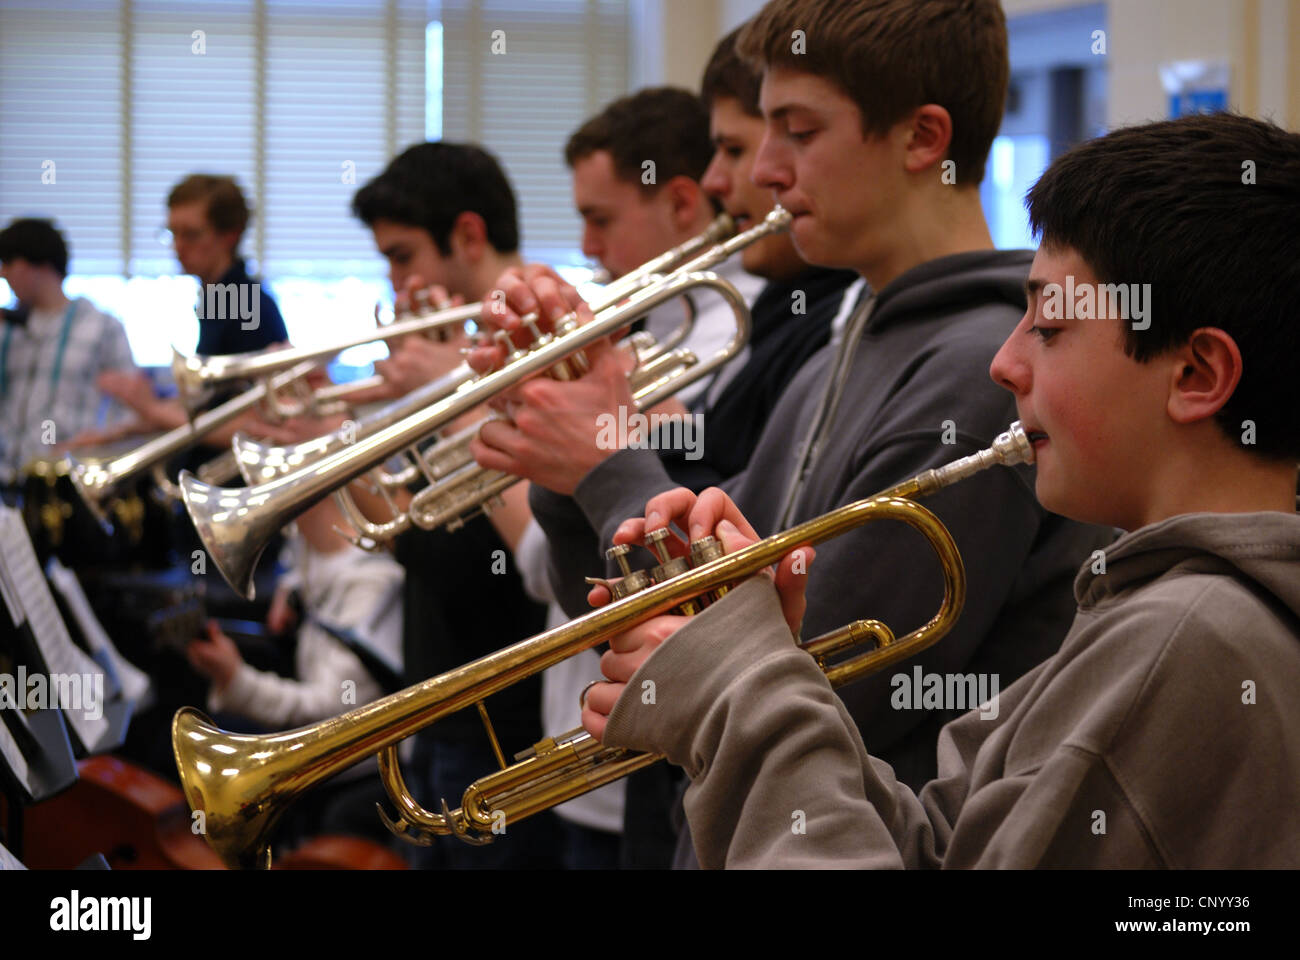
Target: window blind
{"points": [[61, 147], [556, 62]]}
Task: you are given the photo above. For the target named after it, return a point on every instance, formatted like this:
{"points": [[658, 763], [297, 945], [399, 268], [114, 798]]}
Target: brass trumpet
{"points": [[458, 488], [243, 783], [235, 524], [98, 481], [194, 374]]}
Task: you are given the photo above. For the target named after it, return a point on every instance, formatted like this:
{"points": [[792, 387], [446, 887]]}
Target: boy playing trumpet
{"points": [[1166, 731]]}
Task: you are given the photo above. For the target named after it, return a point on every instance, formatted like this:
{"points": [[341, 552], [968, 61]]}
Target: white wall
{"points": [[673, 40], [1260, 39]]}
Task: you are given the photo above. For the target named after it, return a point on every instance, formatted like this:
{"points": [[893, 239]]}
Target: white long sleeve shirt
{"points": [[351, 589]]}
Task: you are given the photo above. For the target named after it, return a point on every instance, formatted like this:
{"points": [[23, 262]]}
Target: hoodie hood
{"points": [[1263, 548], [953, 283]]}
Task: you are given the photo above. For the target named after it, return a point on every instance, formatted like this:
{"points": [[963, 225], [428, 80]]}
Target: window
{"points": [[301, 100], [540, 68], [1056, 98]]}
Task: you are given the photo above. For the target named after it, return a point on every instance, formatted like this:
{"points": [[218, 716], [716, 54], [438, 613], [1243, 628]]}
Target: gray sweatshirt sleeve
{"points": [[779, 774], [780, 778]]}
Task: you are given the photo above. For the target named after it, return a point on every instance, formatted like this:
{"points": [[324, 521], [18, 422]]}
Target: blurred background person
{"points": [[207, 216], [52, 350]]}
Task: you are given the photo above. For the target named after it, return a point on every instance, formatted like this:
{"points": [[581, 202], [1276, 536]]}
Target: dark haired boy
{"points": [[1165, 732], [637, 167], [52, 351], [444, 216], [866, 173], [791, 320]]}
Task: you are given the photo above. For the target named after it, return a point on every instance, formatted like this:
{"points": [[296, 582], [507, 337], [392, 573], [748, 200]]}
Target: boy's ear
{"points": [[1206, 372], [928, 136], [469, 235], [685, 197]]}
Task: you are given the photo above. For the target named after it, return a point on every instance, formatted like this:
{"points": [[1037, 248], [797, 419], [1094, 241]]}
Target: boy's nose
{"points": [[715, 181], [770, 168], [1009, 369]]}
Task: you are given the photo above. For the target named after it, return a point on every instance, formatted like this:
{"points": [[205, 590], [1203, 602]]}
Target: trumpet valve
{"points": [[632, 581], [503, 340], [669, 566], [706, 550]]}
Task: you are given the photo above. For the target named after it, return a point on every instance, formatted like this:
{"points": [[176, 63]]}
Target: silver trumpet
{"points": [[236, 524], [193, 375], [464, 489], [458, 489], [449, 459], [658, 363], [99, 481]]}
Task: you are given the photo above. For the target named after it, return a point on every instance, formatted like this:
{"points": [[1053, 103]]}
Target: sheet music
{"points": [[13, 756], [60, 654], [7, 590], [8, 861], [135, 682]]}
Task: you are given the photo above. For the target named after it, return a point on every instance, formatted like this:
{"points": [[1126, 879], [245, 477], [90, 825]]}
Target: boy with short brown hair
{"points": [[1166, 730]]}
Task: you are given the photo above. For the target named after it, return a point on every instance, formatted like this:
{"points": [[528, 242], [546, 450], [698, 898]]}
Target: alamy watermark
{"points": [[66, 691], [1093, 301], [945, 691], [75, 913], [232, 301], [656, 431]]}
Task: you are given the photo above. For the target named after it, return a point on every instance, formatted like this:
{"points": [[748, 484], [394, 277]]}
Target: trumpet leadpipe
{"points": [[244, 782], [192, 374]]}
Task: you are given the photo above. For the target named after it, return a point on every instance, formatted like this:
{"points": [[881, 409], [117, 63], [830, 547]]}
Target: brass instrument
{"points": [[194, 374], [459, 489], [98, 481], [235, 524], [281, 373], [242, 783]]}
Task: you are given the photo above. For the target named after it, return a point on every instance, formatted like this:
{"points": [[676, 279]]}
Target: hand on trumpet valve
{"points": [[520, 291], [713, 513], [415, 299], [416, 360], [628, 651], [552, 433]]}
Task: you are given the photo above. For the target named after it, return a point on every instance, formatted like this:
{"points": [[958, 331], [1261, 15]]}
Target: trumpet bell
{"points": [[238, 812], [233, 533]]}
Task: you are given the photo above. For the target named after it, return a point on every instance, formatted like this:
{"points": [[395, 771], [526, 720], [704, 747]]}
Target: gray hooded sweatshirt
{"points": [[1164, 733], [914, 393]]}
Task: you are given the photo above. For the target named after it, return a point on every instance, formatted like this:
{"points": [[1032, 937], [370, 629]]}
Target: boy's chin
{"points": [[1072, 503]]}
